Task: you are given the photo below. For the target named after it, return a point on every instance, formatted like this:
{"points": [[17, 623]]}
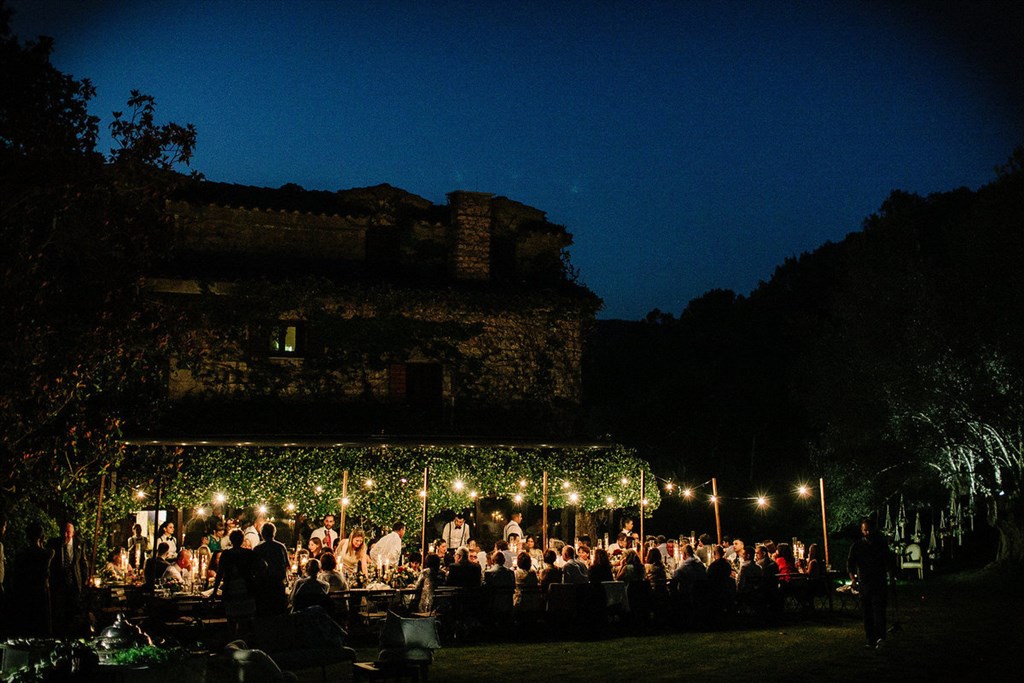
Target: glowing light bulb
{"points": [[565, 484], [290, 507], [518, 498], [369, 483], [668, 486], [574, 497], [473, 494], [201, 511], [761, 501], [522, 483], [319, 489], [345, 501], [714, 499], [803, 491], [609, 500], [262, 509], [687, 493], [140, 494], [624, 481], [219, 499], [645, 502], [458, 485], [423, 494]]}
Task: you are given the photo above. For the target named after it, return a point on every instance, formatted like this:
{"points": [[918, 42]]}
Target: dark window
{"points": [[418, 385]]}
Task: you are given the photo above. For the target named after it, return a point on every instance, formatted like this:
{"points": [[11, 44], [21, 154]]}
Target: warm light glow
{"points": [[714, 499], [668, 486], [290, 507], [319, 489], [140, 494], [574, 497], [762, 501], [518, 498], [458, 486], [565, 484], [369, 483], [473, 494], [423, 494], [624, 481], [803, 490], [219, 499], [262, 509], [687, 493], [645, 502], [404, 480], [201, 511], [522, 483], [345, 501], [609, 500]]}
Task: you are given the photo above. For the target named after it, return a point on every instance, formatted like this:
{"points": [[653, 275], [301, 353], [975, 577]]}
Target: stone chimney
{"points": [[470, 236]]}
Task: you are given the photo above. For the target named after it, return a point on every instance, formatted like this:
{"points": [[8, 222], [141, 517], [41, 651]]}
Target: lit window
{"points": [[285, 339]]}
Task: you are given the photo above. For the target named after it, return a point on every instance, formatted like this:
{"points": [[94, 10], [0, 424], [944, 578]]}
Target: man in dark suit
{"points": [[69, 573], [273, 567]]}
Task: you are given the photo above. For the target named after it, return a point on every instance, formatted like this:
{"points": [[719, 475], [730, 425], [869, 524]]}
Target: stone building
{"points": [[371, 311]]}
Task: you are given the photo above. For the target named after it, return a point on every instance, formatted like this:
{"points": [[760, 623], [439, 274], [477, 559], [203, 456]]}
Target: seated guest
{"points": [[530, 546], [631, 569], [785, 561], [601, 568], [426, 584], [181, 568], [441, 550], [477, 555], [156, 566], [549, 573], [769, 569], [583, 553], [815, 565], [749, 572], [309, 590], [114, 569], [720, 570], [526, 578], [655, 571], [464, 573], [329, 573], [497, 574], [735, 553], [618, 549], [315, 547], [573, 571], [689, 572], [506, 548]]}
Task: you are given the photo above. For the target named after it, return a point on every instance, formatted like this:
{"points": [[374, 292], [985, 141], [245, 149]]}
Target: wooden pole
{"points": [[643, 540], [423, 525], [96, 531], [824, 527], [344, 496], [718, 519], [544, 516]]}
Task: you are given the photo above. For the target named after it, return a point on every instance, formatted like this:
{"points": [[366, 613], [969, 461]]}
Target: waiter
{"points": [[513, 526], [456, 533]]}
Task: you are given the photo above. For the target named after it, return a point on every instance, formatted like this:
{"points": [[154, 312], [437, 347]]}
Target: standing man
{"points": [[456, 532], [69, 573], [513, 526], [270, 597], [388, 550], [868, 565], [326, 534]]}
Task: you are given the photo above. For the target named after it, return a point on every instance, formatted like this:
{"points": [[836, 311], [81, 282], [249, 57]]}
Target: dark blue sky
{"points": [[686, 145]]}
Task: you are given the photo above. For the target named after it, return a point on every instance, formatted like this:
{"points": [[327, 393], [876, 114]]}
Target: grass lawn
{"points": [[966, 625]]}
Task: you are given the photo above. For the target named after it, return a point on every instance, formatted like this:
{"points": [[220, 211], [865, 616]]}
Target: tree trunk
{"points": [[586, 525], [1007, 516]]}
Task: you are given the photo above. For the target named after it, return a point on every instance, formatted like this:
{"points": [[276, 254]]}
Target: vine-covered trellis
{"points": [[385, 483]]}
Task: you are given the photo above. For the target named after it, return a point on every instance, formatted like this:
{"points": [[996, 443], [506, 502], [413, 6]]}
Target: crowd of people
{"points": [[255, 574]]}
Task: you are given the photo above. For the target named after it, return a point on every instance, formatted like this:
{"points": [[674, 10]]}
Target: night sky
{"points": [[686, 145]]}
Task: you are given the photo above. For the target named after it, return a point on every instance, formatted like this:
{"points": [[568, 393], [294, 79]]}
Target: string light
{"points": [[668, 486], [201, 511], [714, 499], [609, 500], [473, 495], [369, 483], [518, 499], [319, 489], [624, 481], [574, 498], [262, 509], [219, 499], [290, 507], [645, 502], [423, 494], [458, 486], [565, 484], [140, 494], [687, 493], [803, 490], [522, 483], [762, 502], [345, 501]]}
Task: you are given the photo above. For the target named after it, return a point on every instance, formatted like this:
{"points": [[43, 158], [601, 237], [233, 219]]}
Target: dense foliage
{"points": [[889, 363]]}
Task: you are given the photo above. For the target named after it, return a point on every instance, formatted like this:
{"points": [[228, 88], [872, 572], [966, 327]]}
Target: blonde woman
{"points": [[352, 553]]}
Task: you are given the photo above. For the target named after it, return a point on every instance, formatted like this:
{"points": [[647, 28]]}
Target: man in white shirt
{"points": [[326, 534], [513, 526], [456, 532], [388, 550], [253, 532]]}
